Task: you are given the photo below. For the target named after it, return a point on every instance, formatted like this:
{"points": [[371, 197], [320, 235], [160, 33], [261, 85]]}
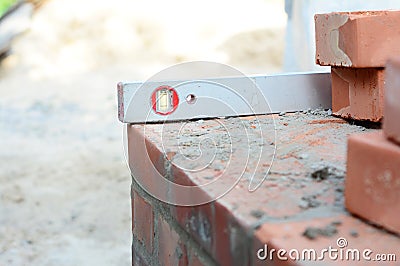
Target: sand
{"points": [[64, 183]]}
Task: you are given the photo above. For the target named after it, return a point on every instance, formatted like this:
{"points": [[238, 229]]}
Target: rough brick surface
{"points": [[171, 250], [305, 184], [230, 238], [215, 228], [373, 179], [143, 222], [357, 39], [391, 125], [199, 222], [358, 93]]}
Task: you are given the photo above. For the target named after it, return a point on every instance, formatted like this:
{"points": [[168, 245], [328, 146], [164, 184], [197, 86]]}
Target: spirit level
{"points": [[174, 100]]}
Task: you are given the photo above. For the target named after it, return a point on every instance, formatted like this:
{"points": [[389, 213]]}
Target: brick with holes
{"points": [[358, 93], [364, 39]]}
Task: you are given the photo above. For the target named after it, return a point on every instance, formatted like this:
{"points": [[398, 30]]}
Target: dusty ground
{"points": [[64, 185]]}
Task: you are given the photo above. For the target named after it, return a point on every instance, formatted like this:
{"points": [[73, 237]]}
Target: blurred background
{"points": [[64, 184]]}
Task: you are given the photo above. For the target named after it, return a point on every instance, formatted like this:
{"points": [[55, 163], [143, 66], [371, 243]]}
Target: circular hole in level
{"points": [[191, 98]]}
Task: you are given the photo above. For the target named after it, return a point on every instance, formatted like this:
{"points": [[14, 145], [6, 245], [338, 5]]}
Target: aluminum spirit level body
{"points": [[160, 101]]}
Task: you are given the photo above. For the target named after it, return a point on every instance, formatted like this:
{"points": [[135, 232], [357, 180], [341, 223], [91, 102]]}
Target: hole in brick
{"points": [[340, 91]]}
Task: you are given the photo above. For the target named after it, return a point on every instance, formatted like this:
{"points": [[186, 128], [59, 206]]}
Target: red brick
{"points": [[148, 166], [143, 222], [391, 125], [357, 39], [231, 242], [199, 222], [188, 197], [145, 162], [215, 228], [372, 186], [171, 250], [358, 93]]}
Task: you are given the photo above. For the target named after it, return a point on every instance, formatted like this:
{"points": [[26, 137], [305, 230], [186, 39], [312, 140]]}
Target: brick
{"points": [[198, 221], [146, 162], [143, 222], [372, 186], [358, 93], [193, 196], [150, 168], [357, 39], [215, 228], [171, 249], [391, 125], [231, 240]]}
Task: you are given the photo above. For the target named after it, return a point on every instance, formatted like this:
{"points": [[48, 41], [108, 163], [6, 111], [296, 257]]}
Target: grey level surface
{"points": [[228, 96]]}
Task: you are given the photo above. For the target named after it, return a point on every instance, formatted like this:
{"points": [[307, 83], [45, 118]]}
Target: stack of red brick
{"points": [[357, 45], [373, 163]]}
